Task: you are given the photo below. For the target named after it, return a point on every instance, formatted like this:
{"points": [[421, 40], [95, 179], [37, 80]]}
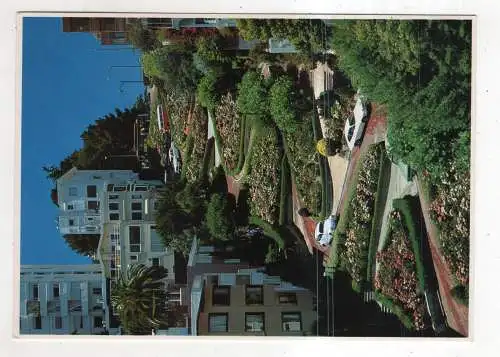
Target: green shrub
{"points": [[220, 217], [403, 316], [252, 95], [207, 92], [285, 190], [461, 294], [273, 254], [283, 104], [269, 230]]}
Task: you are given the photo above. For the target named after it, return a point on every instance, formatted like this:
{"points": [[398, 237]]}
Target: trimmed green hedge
{"points": [[407, 206], [187, 155], [285, 190], [378, 211], [209, 148], [403, 316], [269, 230]]}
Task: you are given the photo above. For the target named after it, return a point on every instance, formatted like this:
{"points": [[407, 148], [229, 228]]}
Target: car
{"points": [[174, 157], [323, 232], [355, 124]]}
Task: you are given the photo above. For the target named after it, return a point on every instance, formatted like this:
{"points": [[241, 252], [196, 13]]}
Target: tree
{"points": [[252, 95], [83, 244], [283, 104], [220, 220], [141, 37], [207, 90], [139, 298]]}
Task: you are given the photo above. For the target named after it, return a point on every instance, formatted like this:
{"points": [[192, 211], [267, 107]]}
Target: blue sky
{"points": [[65, 88]]}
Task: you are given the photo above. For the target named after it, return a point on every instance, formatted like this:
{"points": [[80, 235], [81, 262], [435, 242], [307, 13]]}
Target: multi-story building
{"points": [[79, 196], [129, 234], [63, 299], [226, 297]]}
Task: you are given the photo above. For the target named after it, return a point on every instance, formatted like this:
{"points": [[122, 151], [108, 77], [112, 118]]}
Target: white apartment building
{"points": [[63, 299], [79, 195]]}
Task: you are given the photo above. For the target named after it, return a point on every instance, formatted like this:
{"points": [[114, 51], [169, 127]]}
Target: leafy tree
{"points": [[252, 95], [220, 220], [283, 104], [212, 50], [421, 71], [139, 298], [174, 65], [83, 244], [208, 93], [141, 37], [307, 35]]}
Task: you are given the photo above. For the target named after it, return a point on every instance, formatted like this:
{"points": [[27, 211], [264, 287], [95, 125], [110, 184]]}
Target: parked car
{"points": [[435, 309], [324, 230], [174, 157], [355, 124]]}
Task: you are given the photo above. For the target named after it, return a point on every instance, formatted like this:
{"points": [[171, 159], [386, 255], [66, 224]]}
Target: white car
{"points": [[355, 124], [324, 230], [174, 156]]}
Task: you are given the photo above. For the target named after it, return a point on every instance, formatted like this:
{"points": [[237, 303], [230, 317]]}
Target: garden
{"points": [[399, 280], [195, 153], [352, 238]]}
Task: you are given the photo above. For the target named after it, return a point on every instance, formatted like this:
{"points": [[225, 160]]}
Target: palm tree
{"points": [[139, 299]]}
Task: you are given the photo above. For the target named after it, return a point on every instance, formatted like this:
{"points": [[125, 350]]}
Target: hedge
{"points": [[285, 190], [397, 310], [407, 207], [378, 210], [187, 155], [209, 148], [269, 230]]}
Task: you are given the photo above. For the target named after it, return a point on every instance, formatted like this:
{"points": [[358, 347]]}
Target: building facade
{"points": [[63, 299], [226, 297], [79, 196]]}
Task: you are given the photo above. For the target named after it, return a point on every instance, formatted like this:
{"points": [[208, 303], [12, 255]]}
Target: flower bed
{"points": [[359, 216], [264, 177], [302, 157], [177, 107], [450, 210], [228, 125], [396, 277], [198, 132]]}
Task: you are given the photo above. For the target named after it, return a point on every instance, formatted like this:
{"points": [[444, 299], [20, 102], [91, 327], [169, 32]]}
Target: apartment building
{"points": [[226, 297], [63, 299], [79, 196]]}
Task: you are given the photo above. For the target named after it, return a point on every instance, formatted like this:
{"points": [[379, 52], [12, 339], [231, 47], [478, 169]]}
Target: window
{"points": [[221, 295], [55, 290], [141, 188], [113, 206], [96, 291], [71, 222], [213, 279], [110, 187], [254, 295], [113, 197], [92, 191], [70, 207], [136, 216], [37, 322], [136, 206], [134, 238], [35, 292], [155, 262], [114, 216], [73, 191], [291, 321], [287, 298], [156, 204], [93, 205], [58, 322], [97, 321], [114, 237], [137, 197], [254, 322], [97, 177], [217, 322], [243, 279], [133, 258], [120, 188]]}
